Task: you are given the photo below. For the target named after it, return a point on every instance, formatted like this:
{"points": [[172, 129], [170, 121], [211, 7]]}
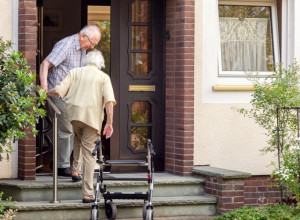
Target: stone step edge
{"points": [[43, 185], [77, 204]]}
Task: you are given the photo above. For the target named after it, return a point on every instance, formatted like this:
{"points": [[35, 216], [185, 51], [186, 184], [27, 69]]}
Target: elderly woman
{"points": [[87, 90]]}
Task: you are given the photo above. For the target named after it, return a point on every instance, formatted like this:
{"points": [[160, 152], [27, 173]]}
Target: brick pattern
{"points": [[229, 192], [27, 45], [234, 193], [257, 191], [179, 143]]}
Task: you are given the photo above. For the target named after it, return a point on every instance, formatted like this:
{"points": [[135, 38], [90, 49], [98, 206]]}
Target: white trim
{"points": [[15, 24], [275, 36], [248, 2], [288, 32], [297, 31]]}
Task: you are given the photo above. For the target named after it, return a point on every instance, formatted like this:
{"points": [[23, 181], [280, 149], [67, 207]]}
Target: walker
{"points": [[110, 207]]}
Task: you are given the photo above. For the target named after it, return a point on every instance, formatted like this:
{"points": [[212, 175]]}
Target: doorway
{"points": [[132, 44]]}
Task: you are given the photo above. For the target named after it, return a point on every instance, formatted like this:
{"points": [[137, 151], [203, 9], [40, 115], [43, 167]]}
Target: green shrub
{"points": [[6, 209], [270, 212], [269, 99], [19, 104]]}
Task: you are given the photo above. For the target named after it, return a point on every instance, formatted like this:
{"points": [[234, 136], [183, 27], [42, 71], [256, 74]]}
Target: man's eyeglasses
{"points": [[92, 43]]}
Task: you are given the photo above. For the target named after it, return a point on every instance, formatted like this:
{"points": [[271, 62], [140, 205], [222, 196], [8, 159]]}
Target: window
{"points": [[248, 37]]}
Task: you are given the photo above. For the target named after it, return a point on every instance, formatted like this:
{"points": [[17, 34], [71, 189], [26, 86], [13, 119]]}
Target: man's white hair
{"points": [[94, 57], [91, 31]]}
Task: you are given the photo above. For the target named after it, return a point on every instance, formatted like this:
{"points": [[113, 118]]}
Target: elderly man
{"points": [[87, 90], [66, 55]]}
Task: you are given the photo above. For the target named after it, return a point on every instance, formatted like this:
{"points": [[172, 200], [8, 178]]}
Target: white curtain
{"points": [[243, 44]]}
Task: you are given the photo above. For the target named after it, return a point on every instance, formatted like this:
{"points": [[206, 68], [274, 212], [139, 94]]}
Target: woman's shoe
{"points": [[89, 199], [76, 177]]}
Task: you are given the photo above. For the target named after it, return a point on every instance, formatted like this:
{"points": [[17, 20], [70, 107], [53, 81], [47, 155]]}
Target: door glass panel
{"points": [[141, 64], [141, 11], [141, 38], [139, 136], [140, 112], [100, 16]]}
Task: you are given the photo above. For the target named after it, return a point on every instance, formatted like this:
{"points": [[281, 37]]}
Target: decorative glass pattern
{"points": [[140, 112], [141, 11], [141, 63], [139, 136], [141, 38], [140, 58]]}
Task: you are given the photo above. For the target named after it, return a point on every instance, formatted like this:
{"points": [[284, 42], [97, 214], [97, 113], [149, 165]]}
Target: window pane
{"points": [[141, 38], [140, 112], [139, 136], [100, 16], [141, 64], [246, 38], [141, 11]]}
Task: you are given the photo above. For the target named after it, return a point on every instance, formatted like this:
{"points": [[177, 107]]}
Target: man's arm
{"points": [[108, 128], [44, 67]]}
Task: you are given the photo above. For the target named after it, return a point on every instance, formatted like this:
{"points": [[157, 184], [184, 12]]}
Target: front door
{"points": [[138, 78], [133, 46]]}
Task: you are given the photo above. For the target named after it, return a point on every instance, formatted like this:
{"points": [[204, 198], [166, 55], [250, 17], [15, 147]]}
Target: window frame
{"points": [[275, 36]]}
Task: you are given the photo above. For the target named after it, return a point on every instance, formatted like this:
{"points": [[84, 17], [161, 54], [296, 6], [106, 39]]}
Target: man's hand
{"points": [[108, 131]]}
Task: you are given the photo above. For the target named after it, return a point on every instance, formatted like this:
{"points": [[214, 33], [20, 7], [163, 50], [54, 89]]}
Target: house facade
{"points": [[181, 75]]}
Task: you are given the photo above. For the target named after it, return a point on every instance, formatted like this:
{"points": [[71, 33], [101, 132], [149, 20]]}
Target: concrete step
{"points": [[173, 196], [194, 206], [165, 185]]}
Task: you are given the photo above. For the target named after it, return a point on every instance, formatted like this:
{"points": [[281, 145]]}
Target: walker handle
{"points": [[150, 146], [98, 143]]}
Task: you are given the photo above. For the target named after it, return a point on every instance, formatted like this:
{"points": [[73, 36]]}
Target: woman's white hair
{"points": [[90, 31], [94, 57]]}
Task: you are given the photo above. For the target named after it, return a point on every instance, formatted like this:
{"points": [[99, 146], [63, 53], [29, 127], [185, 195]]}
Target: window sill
{"points": [[232, 88]]}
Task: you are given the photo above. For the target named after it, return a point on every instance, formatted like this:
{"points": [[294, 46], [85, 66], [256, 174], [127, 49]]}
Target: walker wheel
{"points": [[94, 214], [144, 209], [147, 211], [149, 214], [110, 210]]}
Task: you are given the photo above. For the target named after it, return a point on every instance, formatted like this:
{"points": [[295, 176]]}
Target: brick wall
{"points": [[257, 191], [180, 21], [234, 193], [27, 45]]}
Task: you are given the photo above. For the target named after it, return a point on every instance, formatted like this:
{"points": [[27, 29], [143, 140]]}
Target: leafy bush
{"points": [[6, 209], [269, 101], [19, 104], [271, 212]]}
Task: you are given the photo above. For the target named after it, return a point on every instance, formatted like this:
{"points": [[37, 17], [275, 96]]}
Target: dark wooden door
{"points": [[137, 47]]}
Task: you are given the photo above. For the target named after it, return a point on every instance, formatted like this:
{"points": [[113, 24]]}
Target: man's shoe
{"points": [[64, 171]]}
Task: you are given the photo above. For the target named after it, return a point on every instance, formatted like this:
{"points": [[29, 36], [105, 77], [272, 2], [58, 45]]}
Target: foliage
{"points": [[288, 173], [104, 44], [6, 209], [19, 104], [270, 97], [276, 91], [271, 212]]}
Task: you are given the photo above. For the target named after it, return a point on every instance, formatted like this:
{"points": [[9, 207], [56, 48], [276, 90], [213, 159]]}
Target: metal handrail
{"points": [[56, 112]]}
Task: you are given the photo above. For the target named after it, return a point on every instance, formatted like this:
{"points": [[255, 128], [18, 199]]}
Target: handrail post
{"points": [[56, 111]]}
